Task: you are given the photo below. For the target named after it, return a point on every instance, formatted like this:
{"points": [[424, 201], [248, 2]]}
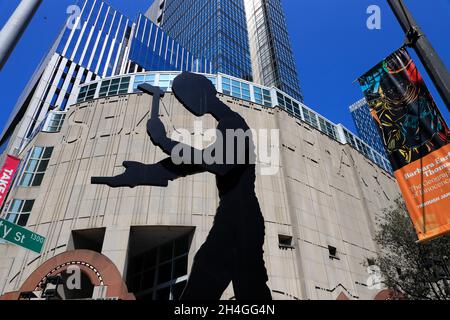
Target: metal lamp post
{"points": [[419, 42], [15, 27]]}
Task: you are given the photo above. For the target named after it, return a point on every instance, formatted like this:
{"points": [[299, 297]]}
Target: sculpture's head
{"points": [[195, 92]]}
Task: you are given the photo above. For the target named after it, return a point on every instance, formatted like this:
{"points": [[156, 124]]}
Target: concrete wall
{"points": [[324, 194]]}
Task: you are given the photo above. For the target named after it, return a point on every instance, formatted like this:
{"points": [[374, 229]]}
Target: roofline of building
{"points": [[358, 104], [340, 128]]}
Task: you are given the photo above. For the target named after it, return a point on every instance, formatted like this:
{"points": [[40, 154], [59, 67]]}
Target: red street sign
{"points": [[6, 176]]}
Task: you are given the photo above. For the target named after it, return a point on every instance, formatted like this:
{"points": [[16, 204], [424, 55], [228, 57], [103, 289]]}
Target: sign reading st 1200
{"points": [[21, 236]]}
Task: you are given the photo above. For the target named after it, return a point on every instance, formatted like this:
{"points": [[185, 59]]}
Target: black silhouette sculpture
{"points": [[233, 249]]}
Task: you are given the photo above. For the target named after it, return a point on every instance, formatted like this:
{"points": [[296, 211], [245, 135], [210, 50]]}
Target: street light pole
{"points": [[419, 42], [15, 27]]}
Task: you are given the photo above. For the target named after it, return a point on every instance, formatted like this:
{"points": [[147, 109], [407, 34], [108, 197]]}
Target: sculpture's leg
{"points": [[204, 283], [212, 269], [249, 272]]}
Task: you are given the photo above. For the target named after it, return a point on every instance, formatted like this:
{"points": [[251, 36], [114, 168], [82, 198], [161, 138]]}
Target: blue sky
{"points": [[331, 43]]}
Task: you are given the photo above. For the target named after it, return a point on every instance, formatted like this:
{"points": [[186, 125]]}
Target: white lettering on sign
{"points": [[5, 179], [19, 237], [5, 230]]}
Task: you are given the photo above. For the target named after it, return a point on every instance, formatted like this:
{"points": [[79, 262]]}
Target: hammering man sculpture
{"points": [[233, 249]]}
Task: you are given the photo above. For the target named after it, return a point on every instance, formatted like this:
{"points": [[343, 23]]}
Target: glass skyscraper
{"points": [[215, 30], [366, 126], [270, 47], [152, 49], [247, 39], [98, 40]]}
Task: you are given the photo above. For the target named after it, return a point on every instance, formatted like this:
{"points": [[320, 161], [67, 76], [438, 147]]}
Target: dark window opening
{"points": [[158, 262], [19, 211], [333, 253], [285, 242], [88, 239]]}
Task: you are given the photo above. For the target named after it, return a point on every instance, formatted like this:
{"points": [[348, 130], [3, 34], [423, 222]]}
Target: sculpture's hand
{"points": [[136, 174], [156, 131]]}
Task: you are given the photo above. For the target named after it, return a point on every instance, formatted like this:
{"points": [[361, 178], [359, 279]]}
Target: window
{"points": [[285, 242], [161, 272], [267, 98], [280, 98], [87, 93], [19, 211], [328, 128], [245, 90], [258, 95], [288, 105], [166, 81], [236, 89], [36, 166], [296, 107], [82, 94], [349, 138], [310, 117], [150, 79], [54, 122], [226, 86], [333, 253], [114, 87]]}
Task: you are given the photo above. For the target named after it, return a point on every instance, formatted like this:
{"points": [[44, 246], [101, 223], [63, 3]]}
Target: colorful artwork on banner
{"points": [[416, 138]]}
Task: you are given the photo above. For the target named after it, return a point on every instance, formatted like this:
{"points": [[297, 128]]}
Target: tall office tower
{"points": [[152, 49], [272, 58], [100, 42], [366, 125], [215, 30]]}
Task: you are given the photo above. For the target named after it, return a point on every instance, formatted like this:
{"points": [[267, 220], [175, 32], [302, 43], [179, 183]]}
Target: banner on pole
{"points": [[416, 139], [6, 176]]}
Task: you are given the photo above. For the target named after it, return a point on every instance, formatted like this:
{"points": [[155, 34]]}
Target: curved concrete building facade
{"points": [[319, 204]]}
